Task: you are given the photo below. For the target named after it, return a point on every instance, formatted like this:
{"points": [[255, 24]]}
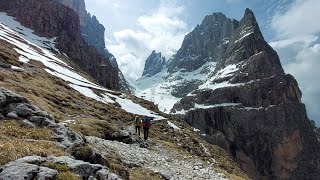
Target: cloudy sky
{"points": [[135, 27]]}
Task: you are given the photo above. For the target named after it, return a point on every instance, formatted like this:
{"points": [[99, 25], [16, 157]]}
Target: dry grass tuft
{"points": [[8, 54], [12, 149], [17, 141], [64, 172], [143, 174], [14, 129], [68, 176], [91, 127]]}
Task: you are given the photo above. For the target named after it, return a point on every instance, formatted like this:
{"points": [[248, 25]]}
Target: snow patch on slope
{"points": [[172, 125], [203, 106], [27, 33], [159, 88], [33, 47], [244, 33]]}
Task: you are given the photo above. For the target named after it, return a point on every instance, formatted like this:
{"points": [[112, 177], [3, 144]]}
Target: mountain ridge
{"points": [[243, 102]]}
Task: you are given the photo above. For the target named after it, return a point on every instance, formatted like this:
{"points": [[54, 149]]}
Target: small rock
{"points": [[17, 170], [12, 115], [40, 121], [166, 176], [12, 97], [28, 123], [206, 176], [46, 173], [3, 99], [144, 144], [198, 164], [1, 117], [129, 140], [23, 109], [105, 174]]}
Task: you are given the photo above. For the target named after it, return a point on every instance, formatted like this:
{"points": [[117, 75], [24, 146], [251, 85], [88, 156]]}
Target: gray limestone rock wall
{"points": [[257, 115]]}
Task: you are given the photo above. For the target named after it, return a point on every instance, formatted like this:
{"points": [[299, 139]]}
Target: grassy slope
{"points": [[94, 118]]}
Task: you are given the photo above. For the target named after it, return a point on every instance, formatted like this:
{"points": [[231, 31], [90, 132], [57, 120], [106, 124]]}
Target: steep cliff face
{"points": [[79, 7], [253, 109], [51, 19], [154, 64], [93, 33]]}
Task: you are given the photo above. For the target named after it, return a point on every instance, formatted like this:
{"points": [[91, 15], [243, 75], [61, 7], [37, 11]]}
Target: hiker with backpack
{"points": [[146, 123], [137, 122]]}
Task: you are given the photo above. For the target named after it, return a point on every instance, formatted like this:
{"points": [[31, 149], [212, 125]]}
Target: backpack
{"points": [[137, 121], [146, 121]]}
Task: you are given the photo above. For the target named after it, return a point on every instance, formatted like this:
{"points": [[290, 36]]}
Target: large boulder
{"points": [[15, 106], [33, 167]]}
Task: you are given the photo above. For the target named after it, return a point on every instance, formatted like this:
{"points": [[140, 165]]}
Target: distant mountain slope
{"points": [[228, 82], [192, 65], [94, 34], [51, 19]]}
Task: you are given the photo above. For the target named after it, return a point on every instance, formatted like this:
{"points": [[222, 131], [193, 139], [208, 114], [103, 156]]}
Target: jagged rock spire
{"points": [[154, 64]]}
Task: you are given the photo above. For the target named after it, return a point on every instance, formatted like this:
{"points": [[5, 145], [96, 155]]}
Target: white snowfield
{"points": [[32, 47], [158, 88]]}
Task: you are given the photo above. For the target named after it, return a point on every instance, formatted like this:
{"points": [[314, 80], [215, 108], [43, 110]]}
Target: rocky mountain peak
{"points": [[246, 42], [206, 43], [154, 64]]}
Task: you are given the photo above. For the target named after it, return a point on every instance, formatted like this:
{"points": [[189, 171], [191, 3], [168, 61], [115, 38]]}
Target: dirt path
{"points": [[170, 164]]}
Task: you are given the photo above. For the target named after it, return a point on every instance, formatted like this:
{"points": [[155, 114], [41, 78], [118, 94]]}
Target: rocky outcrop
{"points": [[154, 64], [51, 19], [14, 106], [34, 167], [251, 108]]}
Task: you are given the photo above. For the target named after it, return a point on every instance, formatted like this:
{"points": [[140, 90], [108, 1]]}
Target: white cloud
{"points": [[299, 20], [299, 49], [163, 31], [116, 5]]}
